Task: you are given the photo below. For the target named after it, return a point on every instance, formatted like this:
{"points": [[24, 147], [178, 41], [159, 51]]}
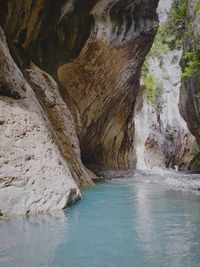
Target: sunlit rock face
{"points": [[162, 138], [189, 97], [165, 141]]}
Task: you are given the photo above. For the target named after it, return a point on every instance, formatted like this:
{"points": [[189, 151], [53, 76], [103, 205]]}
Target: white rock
{"points": [[151, 127], [34, 177]]}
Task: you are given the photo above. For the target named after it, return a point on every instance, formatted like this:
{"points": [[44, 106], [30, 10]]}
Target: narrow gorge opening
{"points": [[165, 141], [100, 101], [102, 85]]}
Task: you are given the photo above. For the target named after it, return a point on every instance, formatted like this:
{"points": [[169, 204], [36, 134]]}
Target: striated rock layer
{"points": [[95, 51], [72, 100], [101, 85]]}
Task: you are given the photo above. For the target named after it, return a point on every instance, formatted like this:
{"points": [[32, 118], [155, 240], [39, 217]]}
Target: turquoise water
{"points": [[120, 223]]}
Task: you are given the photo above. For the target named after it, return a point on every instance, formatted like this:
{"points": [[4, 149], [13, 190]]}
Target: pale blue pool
{"points": [[119, 223]]}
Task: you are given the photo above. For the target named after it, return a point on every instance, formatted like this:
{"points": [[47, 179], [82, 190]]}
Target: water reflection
{"points": [[32, 241], [166, 226], [122, 223]]}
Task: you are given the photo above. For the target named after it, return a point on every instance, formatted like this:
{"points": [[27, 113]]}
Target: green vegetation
{"points": [[175, 28], [159, 46], [169, 36], [197, 6], [153, 89], [170, 137], [195, 153], [195, 150], [192, 65], [179, 12], [145, 69], [198, 95], [191, 59]]}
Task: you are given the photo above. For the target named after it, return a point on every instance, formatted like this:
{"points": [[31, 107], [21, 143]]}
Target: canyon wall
{"points": [[190, 89], [34, 177], [189, 100], [95, 51], [70, 98], [165, 141]]}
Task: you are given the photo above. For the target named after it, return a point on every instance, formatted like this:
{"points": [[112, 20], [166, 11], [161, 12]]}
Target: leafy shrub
{"points": [[175, 28], [198, 95], [179, 12], [195, 153], [192, 65], [153, 89], [170, 137], [159, 46], [197, 6]]}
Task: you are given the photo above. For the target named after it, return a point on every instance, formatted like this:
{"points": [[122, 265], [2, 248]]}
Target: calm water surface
{"points": [[120, 223]]}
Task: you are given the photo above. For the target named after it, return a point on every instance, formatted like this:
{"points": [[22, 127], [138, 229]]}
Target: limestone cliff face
{"points": [[71, 99], [34, 177], [165, 141], [104, 80], [189, 97], [95, 51]]}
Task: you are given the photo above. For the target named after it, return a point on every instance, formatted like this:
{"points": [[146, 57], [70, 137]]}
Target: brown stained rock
{"points": [[101, 85], [8, 86], [46, 90], [95, 50]]}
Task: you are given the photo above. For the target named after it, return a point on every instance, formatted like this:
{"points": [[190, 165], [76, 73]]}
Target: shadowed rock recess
{"points": [[189, 101], [78, 70], [190, 92]]}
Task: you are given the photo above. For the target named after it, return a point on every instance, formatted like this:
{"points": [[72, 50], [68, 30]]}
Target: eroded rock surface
{"points": [[165, 141], [95, 50], [101, 85], [34, 177], [81, 63]]}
